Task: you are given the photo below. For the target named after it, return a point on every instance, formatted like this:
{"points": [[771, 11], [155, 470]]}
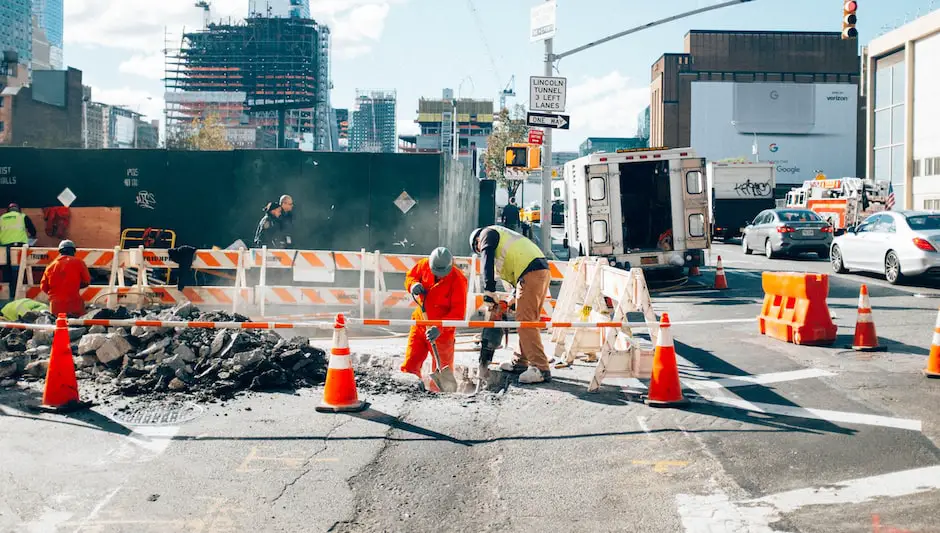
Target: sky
{"points": [[420, 47]]}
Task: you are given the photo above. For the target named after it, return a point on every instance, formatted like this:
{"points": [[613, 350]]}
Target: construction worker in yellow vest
{"points": [[15, 228], [518, 261]]}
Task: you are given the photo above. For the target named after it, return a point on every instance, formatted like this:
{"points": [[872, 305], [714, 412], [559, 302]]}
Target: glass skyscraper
{"points": [[16, 29], [51, 19]]}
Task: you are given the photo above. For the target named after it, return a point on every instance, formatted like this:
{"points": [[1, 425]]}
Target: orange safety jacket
{"points": [[62, 281], [445, 299]]}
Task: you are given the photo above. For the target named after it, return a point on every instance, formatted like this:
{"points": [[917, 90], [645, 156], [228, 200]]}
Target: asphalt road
{"points": [[778, 438]]}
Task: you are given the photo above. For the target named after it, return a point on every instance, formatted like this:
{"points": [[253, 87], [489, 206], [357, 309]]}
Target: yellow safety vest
{"points": [[17, 308], [513, 254], [13, 228]]}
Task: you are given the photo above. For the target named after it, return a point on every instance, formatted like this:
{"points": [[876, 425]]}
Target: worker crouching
{"points": [[443, 290], [63, 281]]}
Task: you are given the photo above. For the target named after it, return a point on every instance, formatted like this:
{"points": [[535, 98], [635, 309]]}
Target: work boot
{"points": [[515, 367], [534, 375]]}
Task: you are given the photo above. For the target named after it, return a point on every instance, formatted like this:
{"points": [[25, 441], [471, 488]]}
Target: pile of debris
{"points": [[138, 360]]}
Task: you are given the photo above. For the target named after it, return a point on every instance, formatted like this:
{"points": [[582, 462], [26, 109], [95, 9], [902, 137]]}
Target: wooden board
{"points": [[90, 227]]}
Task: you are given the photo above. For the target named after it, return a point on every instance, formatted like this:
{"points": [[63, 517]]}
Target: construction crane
{"points": [[510, 90], [206, 11]]}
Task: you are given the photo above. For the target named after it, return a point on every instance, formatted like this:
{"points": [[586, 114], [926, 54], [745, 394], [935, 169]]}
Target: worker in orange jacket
{"points": [[65, 276], [443, 289]]}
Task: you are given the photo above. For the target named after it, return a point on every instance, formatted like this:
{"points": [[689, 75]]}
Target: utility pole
{"points": [[550, 58]]}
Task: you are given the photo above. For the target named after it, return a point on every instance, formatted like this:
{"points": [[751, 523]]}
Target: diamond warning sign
{"points": [[405, 202], [66, 197]]}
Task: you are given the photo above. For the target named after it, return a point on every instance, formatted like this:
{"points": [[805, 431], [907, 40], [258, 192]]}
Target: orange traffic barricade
{"points": [[795, 308]]}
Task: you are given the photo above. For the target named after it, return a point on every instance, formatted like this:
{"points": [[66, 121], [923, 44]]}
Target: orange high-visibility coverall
{"points": [[63, 279], [446, 299]]}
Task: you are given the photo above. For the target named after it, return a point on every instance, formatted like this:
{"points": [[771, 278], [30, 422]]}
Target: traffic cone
{"points": [[933, 361], [694, 271], [61, 390], [721, 282], [865, 337], [339, 394], [665, 389]]}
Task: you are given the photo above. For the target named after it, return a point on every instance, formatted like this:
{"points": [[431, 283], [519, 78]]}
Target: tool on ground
{"points": [[665, 388], [933, 361], [866, 339], [721, 281], [442, 377], [61, 391], [490, 340], [339, 393]]}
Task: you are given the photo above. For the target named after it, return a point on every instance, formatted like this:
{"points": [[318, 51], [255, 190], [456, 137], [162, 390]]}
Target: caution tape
{"points": [[20, 325], [529, 325], [195, 324]]}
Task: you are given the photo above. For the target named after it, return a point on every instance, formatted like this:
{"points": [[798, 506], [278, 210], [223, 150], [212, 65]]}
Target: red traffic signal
{"points": [[849, 18]]}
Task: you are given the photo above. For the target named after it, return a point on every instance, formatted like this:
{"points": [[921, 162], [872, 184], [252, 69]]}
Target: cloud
{"points": [[150, 66], [407, 127], [605, 106]]}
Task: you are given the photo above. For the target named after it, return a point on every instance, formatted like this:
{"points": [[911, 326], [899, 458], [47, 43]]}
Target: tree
{"points": [[202, 134], [507, 129]]}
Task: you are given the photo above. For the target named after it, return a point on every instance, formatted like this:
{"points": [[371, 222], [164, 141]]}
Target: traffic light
{"points": [[524, 156], [849, 19]]}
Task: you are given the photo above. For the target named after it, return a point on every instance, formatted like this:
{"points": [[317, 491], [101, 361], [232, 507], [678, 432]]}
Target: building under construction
{"points": [[264, 78]]}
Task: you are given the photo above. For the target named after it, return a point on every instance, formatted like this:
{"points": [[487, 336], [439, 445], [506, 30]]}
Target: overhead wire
{"points": [[478, 22]]}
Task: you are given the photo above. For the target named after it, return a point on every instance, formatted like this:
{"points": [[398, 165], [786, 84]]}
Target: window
{"points": [[798, 215], [885, 224], [925, 222], [1, 126], [697, 225], [693, 182], [598, 187], [930, 205], [599, 231], [897, 124]]}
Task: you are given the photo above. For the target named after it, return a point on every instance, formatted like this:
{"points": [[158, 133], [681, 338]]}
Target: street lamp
{"points": [[754, 149]]}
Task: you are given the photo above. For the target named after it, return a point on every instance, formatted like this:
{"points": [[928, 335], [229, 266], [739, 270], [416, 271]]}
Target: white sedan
{"points": [[898, 244]]}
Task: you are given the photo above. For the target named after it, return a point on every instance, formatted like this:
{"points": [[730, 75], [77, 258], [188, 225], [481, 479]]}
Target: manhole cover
{"points": [[159, 415]]}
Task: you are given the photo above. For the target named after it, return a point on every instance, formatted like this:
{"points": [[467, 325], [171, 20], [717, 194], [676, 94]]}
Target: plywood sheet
{"points": [[90, 227]]}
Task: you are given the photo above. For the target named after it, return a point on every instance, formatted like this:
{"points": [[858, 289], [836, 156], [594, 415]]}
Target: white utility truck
{"points": [[738, 191], [643, 208]]}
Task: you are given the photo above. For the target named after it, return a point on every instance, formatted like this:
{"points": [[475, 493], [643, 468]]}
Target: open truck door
{"points": [[600, 224], [695, 204]]}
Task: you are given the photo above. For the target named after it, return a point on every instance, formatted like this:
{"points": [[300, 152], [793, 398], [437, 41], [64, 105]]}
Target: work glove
{"points": [[432, 333], [490, 305], [418, 290]]}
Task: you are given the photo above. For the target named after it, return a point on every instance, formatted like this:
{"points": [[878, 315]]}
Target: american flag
{"points": [[889, 202]]}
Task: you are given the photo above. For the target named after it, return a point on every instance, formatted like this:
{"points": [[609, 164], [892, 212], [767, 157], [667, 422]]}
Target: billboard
{"points": [[800, 127]]}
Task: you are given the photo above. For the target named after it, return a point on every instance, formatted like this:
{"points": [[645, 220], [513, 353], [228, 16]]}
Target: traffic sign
{"points": [[545, 120], [542, 22], [536, 136], [547, 94]]}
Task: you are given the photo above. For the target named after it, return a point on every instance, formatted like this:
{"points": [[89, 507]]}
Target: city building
{"points": [[643, 124], [49, 30], [270, 73], [903, 111], [16, 37], [373, 122], [560, 158], [781, 96], [609, 144], [342, 130], [279, 8], [436, 119], [45, 114], [95, 127]]}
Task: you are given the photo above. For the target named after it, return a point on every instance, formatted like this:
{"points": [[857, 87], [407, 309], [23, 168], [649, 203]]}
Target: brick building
{"points": [[47, 114], [756, 67]]}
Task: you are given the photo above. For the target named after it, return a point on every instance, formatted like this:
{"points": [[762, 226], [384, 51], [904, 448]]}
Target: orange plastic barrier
{"points": [[795, 308]]}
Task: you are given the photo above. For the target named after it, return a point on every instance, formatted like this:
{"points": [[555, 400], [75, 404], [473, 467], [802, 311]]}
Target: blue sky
{"points": [[419, 47]]}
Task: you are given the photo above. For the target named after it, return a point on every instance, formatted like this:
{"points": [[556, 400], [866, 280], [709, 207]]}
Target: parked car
{"points": [[787, 231], [898, 244]]}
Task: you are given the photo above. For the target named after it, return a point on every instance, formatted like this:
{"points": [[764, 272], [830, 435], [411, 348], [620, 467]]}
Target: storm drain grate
{"points": [[159, 415]]}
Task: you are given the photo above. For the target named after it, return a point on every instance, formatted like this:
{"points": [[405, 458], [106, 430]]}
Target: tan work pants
{"points": [[530, 296]]}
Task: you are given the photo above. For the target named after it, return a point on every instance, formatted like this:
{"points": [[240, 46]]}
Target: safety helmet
{"points": [[473, 239], [441, 262], [67, 247]]}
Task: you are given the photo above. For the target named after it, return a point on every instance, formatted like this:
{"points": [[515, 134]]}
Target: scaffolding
{"points": [[256, 74]]}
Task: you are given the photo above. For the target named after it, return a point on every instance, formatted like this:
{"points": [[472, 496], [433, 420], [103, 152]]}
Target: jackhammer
{"points": [[490, 340]]}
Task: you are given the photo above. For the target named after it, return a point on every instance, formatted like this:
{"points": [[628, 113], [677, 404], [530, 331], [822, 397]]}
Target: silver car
{"points": [[787, 231], [896, 243]]}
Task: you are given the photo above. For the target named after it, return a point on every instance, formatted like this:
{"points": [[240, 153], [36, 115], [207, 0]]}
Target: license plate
{"points": [[648, 260], [808, 233]]}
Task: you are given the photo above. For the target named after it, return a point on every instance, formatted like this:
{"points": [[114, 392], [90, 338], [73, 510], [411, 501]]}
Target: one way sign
{"points": [[546, 120]]}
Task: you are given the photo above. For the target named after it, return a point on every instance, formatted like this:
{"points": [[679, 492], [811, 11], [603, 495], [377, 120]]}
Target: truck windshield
{"points": [[924, 222]]}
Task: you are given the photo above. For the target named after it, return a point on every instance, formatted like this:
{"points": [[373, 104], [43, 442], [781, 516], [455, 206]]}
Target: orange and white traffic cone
{"points": [[865, 337], [665, 389], [933, 361], [339, 393], [61, 390], [721, 282]]}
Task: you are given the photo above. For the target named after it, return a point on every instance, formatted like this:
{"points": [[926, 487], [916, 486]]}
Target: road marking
{"points": [[758, 379], [716, 513], [662, 467], [818, 414]]}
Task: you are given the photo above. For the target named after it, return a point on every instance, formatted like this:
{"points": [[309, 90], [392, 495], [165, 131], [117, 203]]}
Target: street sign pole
{"points": [[545, 216]]}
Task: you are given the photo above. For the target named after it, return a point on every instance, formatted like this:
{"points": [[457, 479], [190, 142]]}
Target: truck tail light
{"points": [[785, 229], [826, 229], [924, 245]]}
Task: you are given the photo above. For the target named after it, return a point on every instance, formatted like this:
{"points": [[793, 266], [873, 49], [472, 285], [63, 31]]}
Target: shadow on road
{"points": [[845, 342], [374, 415], [728, 302]]}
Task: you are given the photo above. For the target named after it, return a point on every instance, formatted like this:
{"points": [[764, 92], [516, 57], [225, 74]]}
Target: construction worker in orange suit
{"points": [[63, 280], [443, 289]]}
